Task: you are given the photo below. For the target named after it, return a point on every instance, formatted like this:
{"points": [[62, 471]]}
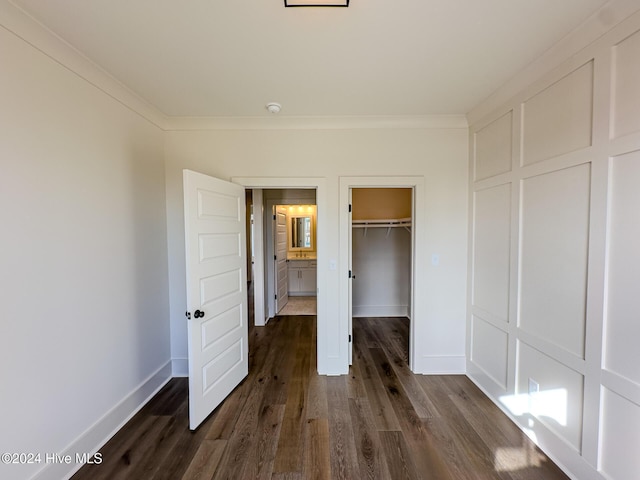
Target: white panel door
{"points": [[215, 233], [282, 280]]}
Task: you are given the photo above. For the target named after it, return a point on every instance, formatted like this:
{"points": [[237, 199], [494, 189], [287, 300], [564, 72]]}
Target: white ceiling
{"points": [[225, 58]]}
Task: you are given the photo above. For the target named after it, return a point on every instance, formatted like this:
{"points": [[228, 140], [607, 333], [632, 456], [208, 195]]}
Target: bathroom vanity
{"points": [[302, 277]]}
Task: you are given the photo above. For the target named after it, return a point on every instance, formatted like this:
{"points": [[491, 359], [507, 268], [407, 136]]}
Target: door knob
{"points": [[198, 314]]}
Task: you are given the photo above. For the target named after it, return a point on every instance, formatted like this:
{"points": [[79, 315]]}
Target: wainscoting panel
{"points": [[558, 119], [493, 148], [553, 258], [557, 401], [489, 350], [626, 87], [491, 252], [622, 325]]}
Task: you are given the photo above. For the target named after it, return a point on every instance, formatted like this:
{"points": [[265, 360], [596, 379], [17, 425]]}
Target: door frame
{"points": [[320, 185], [418, 306]]}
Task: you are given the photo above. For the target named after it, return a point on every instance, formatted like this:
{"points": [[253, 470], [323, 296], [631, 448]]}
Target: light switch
{"points": [[333, 264], [435, 259]]}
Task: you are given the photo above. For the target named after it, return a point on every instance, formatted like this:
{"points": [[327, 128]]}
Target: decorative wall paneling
{"points": [[554, 267]]}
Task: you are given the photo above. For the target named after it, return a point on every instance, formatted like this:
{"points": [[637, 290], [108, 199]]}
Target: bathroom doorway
{"points": [[289, 226]]}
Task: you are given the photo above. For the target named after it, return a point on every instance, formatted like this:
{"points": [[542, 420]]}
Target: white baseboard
{"points": [[180, 367], [100, 432], [441, 365], [380, 311]]}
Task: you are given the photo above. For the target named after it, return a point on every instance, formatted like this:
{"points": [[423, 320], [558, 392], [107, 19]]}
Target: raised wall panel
{"points": [[622, 354], [553, 257], [493, 148], [625, 113], [620, 437], [491, 247], [559, 402], [558, 119], [489, 347]]}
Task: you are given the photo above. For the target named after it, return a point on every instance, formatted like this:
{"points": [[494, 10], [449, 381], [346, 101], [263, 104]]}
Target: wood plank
{"points": [[390, 329], [371, 460], [397, 456], [290, 450], [206, 460], [384, 416], [260, 459], [423, 447], [317, 461], [344, 458]]}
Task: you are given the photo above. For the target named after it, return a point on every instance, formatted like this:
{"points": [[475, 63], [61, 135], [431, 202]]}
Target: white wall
{"points": [[554, 267], [382, 266], [438, 154], [84, 325]]}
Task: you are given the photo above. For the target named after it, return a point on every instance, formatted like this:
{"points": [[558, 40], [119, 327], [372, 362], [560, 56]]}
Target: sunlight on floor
{"points": [[509, 459]]}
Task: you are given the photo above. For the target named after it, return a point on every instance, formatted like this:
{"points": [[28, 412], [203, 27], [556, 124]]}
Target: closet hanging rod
{"points": [[385, 223]]}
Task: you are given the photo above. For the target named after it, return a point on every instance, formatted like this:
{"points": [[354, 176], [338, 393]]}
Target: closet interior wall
{"points": [[381, 252]]}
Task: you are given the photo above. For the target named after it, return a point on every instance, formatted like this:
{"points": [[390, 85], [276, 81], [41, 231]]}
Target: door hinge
{"points": [[275, 257], [349, 208], [274, 216], [349, 338], [275, 297], [349, 273], [188, 315]]}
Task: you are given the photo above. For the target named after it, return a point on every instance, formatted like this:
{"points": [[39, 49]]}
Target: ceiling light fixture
{"points": [[273, 107], [316, 3]]}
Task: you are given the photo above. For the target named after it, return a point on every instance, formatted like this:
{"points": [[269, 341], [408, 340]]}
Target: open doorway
{"points": [[416, 308], [381, 247], [285, 250]]}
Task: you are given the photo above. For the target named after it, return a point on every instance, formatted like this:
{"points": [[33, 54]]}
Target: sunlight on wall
{"points": [[546, 406]]}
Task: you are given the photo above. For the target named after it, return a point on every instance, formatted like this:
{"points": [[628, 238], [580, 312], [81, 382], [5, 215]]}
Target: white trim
{"points": [[260, 318], [24, 26], [106, 427], [598, 24], [440, 365], [316, 122]]}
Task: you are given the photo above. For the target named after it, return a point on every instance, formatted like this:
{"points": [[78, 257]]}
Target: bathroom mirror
{"points": [[301, 233]]}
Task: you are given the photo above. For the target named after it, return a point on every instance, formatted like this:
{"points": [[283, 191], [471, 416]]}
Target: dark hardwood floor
{"points": [[286, 422]]}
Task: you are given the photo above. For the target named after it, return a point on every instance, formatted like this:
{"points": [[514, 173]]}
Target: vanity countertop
{"points": [[309, 256]]}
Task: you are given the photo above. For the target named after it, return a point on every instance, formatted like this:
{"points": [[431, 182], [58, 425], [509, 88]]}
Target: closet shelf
{"points": [[383, 223]]}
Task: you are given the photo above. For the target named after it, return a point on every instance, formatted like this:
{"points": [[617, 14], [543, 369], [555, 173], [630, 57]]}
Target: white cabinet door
{"points": [[216, 280], [308, 280]]}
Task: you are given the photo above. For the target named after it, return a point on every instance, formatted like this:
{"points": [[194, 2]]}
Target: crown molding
{"points": [[317, 122], [594, 27], [15, 20], [24, 26]]}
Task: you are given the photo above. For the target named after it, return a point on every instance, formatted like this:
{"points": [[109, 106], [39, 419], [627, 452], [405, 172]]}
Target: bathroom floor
{"points": [[299, 306]]}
